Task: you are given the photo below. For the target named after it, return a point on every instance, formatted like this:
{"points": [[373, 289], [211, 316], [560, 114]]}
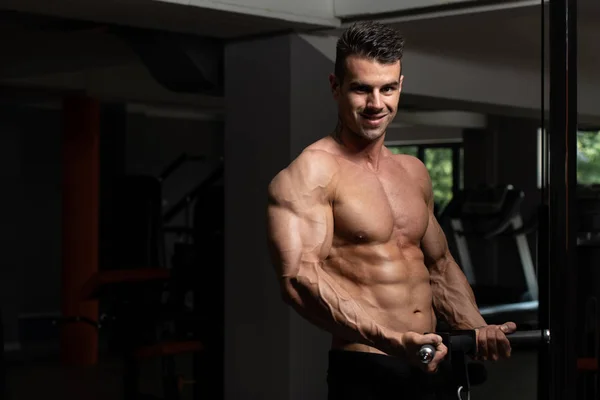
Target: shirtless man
{"points": [[355, 242]]}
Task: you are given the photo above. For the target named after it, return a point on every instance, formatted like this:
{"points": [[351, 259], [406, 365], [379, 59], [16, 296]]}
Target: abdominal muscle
{"points": [[392, 284]]}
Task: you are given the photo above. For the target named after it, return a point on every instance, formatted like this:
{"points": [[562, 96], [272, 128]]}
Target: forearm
{"points": [[316, 296], [453, 298]]}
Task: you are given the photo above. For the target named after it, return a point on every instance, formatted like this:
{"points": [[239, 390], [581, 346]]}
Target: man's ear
{"points": [[334, 85], [401, 81]]}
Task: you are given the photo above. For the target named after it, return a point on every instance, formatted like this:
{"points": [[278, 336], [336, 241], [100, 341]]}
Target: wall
{"points": [[31, 243], [11, 234]]}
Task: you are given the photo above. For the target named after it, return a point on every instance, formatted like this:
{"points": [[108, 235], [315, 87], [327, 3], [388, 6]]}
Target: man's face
{"points": [[368, 97]]}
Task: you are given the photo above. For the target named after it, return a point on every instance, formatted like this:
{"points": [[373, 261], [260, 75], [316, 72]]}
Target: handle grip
{"points": [[520, 339], [426, 353], [529, 339]]}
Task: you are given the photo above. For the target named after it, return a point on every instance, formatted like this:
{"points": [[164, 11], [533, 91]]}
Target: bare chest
{"points": [[377, 208]]}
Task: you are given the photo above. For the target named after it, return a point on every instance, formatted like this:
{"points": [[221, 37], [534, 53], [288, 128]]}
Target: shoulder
{"points": [[312, 172], [416, 170], [315, 163], [413, 166]]}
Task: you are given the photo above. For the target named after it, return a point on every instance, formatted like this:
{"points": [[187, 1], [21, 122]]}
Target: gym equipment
{"points": [[145, 307], [200, 189], [198, 274], [197, 267], [134, 322], [490, 213], [462, 344]]}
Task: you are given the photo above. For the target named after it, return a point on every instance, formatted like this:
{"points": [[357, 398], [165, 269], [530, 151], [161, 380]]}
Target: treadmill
{"points": [[490, 213]]}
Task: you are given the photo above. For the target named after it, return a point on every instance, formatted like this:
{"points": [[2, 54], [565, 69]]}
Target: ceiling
{"points": [[150, 14], [490, 36], [509, 36]]}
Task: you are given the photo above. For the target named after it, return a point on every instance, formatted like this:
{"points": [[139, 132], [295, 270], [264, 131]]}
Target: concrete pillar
{"points": [[517, 162], [277, 102], [505, 153], [517, 156], [479, 158]]}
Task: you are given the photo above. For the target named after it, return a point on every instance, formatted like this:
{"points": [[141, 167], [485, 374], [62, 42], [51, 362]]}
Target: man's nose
{"points": [[374, 100]]}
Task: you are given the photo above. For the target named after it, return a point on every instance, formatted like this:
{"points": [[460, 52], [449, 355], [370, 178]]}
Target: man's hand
{"points": [[412, 343], [492, 343]]}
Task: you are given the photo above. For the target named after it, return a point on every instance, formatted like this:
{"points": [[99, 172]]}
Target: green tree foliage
{"points": [[439, 163], [588, 157], [410, 150]]}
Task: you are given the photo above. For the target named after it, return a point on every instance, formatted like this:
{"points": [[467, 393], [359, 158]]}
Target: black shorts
{"points": [[368, 376]]}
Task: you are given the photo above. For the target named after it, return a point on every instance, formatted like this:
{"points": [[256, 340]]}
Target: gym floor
{"points": [[514, 379], [46, 378], [32, 379]]}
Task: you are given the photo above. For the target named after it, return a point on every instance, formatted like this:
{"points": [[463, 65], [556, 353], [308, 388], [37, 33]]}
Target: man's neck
{"points": [[361, 150]]}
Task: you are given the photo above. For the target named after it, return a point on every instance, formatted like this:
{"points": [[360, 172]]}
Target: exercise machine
{"points": [[198, 271], [145, 307], [461, 346], [490, 214]]}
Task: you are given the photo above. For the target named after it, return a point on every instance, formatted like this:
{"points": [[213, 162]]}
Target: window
{"points": [[410, 150], [438, 161], [588, 156], [444, 163]]}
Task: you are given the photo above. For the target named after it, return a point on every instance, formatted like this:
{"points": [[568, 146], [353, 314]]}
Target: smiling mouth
{"points": [[372, 117]]}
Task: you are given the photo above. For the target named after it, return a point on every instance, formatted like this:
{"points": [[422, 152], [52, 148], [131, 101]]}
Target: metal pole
{"points": [[543, 237], [563, 181]]}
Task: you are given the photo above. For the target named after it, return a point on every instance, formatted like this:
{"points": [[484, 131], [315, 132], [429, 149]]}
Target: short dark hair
{"points": [[369, 39]]}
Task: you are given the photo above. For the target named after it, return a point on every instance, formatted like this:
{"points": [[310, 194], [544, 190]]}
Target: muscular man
{"points": [[356, 245]]}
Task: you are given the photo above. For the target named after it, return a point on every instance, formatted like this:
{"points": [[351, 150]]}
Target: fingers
{"points": [[440, 351], [508, 327], [492, 348], [503, 345], [492, 343], [430, 338], [440, 354], [415, 341], [482, 345]]}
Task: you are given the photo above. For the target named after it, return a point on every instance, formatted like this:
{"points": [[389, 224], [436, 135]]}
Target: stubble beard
{"points": [[365, 135], [371, 135]]}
